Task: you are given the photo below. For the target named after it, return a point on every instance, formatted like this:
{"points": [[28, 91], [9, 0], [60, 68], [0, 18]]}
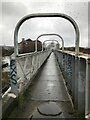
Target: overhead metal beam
{"points": [[49, 40], [39, 15], [52, 34]]}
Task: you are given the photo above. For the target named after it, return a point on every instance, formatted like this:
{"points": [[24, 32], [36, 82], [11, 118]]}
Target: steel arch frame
{"points": [[49, 40], [70, 19], [51, 34]]}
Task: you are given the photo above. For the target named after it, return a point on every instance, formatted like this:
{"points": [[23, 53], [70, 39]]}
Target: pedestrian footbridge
{"points": [[52, 83]]}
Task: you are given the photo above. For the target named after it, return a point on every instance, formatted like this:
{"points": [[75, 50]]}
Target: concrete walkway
{"points": [[47, 88], [49, 84]]}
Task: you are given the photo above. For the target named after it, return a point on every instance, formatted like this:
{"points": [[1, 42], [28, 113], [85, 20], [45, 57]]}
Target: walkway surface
{"points": [[46, 96]]}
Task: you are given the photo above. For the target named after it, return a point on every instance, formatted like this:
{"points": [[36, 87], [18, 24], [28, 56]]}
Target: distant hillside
{"points": [[7, 50]]}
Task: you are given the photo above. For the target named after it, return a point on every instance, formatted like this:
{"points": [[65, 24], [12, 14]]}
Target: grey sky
{"points": [[12, 12]]}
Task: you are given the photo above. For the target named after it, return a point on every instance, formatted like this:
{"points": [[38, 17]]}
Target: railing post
{"points": [[13, 76], [36, 44], [87, 89], [69, 72], [81, 86], [73, 78], [76, 82]]}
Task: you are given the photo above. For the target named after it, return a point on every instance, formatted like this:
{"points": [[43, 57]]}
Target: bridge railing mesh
{"points": [[75, 71], [22, 70]]}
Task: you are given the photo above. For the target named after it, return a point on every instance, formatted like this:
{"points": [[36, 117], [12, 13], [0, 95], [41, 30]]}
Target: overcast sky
{"points": [[12, 12]]}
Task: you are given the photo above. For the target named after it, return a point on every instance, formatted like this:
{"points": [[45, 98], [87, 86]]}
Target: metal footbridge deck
{"points": [[51, 83], [48, 87]]}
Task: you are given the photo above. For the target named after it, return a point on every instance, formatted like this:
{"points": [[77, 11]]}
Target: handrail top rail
{"points": [[30, 54], [80, 55]]}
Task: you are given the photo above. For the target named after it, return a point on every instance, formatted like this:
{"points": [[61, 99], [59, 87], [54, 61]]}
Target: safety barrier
{"points": [[23, 68], [75, 71]]}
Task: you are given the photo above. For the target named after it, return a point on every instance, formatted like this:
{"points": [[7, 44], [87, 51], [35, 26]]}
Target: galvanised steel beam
{"points": [[39, 15], [52, 34]]}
